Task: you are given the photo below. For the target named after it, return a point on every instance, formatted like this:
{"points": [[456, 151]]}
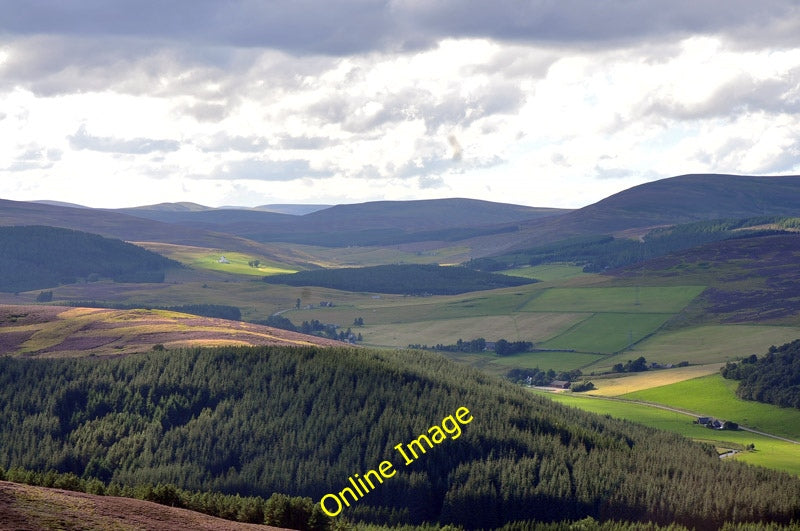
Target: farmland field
{"points": [[607, 332], [235, 263], [668, 299], [558, 361], [714, 395], [514, 327], [358, 256], [769, 452], [616, 386], [713, 343], [547, 272]]}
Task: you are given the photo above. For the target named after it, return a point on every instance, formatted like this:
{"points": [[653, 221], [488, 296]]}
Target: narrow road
{"points": [[688, 413]]}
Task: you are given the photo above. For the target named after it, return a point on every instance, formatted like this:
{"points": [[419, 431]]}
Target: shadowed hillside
{"points": [[373, 223], [126, 227], [671, 201], [754, 279]]}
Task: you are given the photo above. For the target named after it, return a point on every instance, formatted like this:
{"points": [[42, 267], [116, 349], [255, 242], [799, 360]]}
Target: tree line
{"points": [[36, 257], [299, 421], [773, 378], [501, 347], [403, 279]]}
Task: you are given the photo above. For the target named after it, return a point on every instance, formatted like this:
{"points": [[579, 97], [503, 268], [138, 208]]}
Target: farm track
{"points": [[690, 414]]}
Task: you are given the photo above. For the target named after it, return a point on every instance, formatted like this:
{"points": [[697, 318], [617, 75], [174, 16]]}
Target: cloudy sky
{"points": [[113, 103]]}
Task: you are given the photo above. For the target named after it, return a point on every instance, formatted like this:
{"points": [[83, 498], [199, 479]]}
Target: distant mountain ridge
{"points": [[485, 227], [127, 227], [371, 223], [670, 201]]}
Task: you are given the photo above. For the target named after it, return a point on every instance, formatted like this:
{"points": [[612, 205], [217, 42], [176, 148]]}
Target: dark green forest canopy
{"points": [[36, 257], [301, 421], [773, 378], [403, 279]]}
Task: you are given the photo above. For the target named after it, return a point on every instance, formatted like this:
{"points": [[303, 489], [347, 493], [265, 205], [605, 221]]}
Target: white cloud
{"points": [[559, 113]]}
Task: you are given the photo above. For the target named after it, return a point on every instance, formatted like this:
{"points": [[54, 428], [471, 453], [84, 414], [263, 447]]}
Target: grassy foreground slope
{"points": [[301, 421]]}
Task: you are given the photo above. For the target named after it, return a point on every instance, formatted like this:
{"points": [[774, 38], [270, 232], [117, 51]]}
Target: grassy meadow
{"points": [[666, 299], [547, 272], [616, 385], [769, 452], [607, 332], [234, 263], [712, 343], [714, 395], [360, 256]]}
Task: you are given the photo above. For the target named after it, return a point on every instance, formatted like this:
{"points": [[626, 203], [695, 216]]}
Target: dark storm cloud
{"points": [[349, 26], [135, 146]]}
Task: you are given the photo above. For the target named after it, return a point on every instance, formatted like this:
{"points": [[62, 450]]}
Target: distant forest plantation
{"points": [[36, 257], [404, 279]]}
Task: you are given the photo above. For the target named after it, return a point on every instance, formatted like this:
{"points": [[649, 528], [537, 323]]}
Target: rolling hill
{"points": [[483, 227], [372, 223], [671, 201], [36, 257], [130, 228], [753, 279], [688, 198], [273, 418], [301, 421], [57, 331]]}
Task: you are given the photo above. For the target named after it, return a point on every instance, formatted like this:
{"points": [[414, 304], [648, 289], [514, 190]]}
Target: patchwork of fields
{"points": [[575, 321], [769, 452]]}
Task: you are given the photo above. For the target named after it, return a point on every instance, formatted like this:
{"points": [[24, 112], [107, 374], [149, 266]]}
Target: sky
{"points": [[557, 103]]}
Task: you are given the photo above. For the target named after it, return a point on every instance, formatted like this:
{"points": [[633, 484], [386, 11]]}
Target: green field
{"points": [[622, 383], [769, 452], [237, 263], [234, 263], [513, 327], [713, 395], [668, 299], [358, 256], [713, 343], [607, 332], [558, 361], [547, 272]]}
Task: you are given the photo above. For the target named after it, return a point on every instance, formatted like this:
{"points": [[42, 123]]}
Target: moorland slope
{"points": [[43, 509], [665, 202], [57, 331]]}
